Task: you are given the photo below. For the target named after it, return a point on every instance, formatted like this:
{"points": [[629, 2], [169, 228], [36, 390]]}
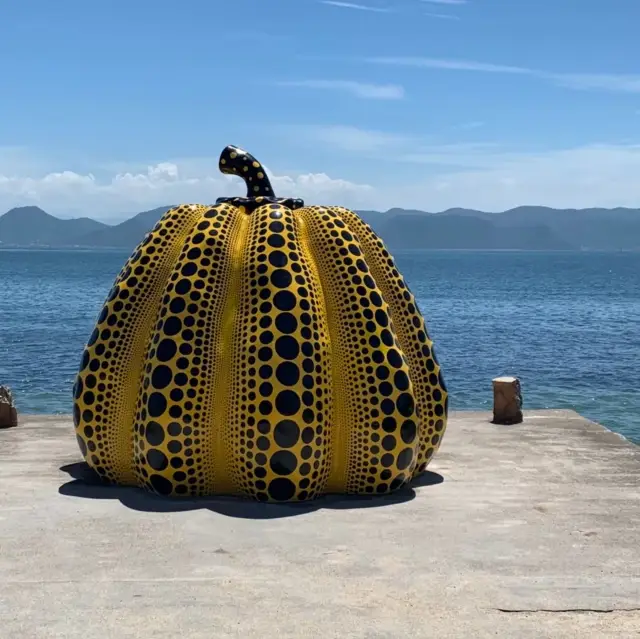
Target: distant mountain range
{"points": [[525, 228]]}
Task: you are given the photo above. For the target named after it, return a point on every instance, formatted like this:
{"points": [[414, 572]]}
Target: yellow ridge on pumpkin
{"points": [[107, 386]]}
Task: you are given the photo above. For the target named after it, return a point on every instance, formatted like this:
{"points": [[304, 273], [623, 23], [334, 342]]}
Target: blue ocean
{"points": [[567, 324]]}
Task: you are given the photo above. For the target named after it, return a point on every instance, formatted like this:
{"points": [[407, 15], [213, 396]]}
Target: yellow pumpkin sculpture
{"points": [[261, 348]]}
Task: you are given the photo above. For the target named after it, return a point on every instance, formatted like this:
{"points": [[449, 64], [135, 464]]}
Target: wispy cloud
{"points": [[352, 5], [345, 138], [442, 63], [489, 176], [623, 83], [605, 82], [358, 89], [442, 16], [396, 147]]}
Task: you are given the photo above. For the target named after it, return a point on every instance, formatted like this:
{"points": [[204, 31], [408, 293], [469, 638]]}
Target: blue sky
{"points": [[114, 107]]}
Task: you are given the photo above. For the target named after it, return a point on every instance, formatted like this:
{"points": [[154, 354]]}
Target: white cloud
{"points": [[72, 194], [581, 177], [623, 83], [351, 5], [476, 175], [358, 89]]}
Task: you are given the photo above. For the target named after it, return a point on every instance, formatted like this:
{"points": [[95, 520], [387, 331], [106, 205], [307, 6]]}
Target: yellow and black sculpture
{"points": [[261, 348]]}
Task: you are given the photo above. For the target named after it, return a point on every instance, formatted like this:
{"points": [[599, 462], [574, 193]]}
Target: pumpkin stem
{"points": [[235, 161]]}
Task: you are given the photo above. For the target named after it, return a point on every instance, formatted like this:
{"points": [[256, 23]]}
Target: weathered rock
{"points": [[507, 400], [8, 412]]}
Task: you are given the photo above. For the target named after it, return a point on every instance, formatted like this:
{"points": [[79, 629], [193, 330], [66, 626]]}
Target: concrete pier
{"points": [[523, 531]]}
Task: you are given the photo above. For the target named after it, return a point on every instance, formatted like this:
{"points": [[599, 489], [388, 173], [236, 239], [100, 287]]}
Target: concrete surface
{"points": [[519, 531]]}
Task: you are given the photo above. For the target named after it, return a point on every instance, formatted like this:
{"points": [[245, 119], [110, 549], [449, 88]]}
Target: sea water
{"points": [[567, 324]]}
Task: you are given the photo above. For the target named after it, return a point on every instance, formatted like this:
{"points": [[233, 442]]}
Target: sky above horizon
{"points": [[110, 108]]}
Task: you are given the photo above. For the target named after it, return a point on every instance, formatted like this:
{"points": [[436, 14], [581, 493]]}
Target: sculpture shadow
{"points": [[87, 484]]}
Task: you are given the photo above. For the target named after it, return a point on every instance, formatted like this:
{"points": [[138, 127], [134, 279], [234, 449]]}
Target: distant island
{"points": [[521, 228]]}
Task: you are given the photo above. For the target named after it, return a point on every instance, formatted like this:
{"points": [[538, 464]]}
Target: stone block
{"points": [[8, 412], [507, 400]]}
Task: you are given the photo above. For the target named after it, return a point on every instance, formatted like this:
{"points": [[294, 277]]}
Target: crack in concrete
{"points": [[560, 610]]}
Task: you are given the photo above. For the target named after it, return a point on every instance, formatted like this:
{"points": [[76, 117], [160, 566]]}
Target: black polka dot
{"points": [[157, 404], [286, 323], [189, 269], [382, 318], [288, 373], [265, 372], [286, 433], [281, 278], [154, 433], [166, 350], [172, 325], [401, 380], [283, 462], [387, 406], [161, 484], [389, 442], [387, 460], [287, 402], [394, 358], [382, 372], [157, 459], [276, 227], [161, 376], [183, 287], [94, 337], [405, 404], [83, 446], [284, 300], [276, 241], [385, 389], [282, 489], [404, 459], [408, 431], [177, 305], [278, 259], [287, 347]]}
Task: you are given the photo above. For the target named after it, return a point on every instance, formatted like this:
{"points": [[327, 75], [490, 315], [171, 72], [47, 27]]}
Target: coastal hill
{"points": [[30, 225], [524, 227]]}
